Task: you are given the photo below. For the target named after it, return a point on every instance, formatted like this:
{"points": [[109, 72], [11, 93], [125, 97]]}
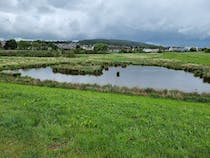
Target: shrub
{"points": [[10, 44], [207, 50]]}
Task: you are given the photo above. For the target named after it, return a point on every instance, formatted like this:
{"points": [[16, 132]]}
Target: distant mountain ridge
{"points": [[116, 42]]}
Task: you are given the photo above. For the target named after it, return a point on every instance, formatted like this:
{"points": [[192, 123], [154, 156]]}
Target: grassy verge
{"points": [[48, 122]]}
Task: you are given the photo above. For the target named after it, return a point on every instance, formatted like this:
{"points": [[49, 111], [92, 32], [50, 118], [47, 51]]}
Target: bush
{"points": [[193, 50], [207, 50], [10, 44], [100, 47]]}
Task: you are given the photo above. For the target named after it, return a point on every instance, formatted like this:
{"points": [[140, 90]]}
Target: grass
{"points": [[196, 57], [48, 122], [36, 53], [138, 58], [38, 122]]}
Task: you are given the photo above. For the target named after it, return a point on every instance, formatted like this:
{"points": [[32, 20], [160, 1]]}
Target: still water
{"points": [[131, 76]]}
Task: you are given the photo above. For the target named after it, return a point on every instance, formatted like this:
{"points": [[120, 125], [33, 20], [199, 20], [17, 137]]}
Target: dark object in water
{"points": [[118, 74], [106, 68], [124, 66]]}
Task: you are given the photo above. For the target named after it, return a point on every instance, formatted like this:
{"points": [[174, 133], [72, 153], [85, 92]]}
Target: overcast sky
{"points": [[169, 22]]}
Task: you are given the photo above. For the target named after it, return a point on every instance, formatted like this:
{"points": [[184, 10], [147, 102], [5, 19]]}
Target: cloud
{"points": [[152, 20]]}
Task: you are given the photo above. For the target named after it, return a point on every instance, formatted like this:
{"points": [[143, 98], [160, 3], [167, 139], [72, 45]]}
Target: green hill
{"points": [[116, 42]]}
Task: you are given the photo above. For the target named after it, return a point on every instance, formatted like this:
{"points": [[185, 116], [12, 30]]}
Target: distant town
{"points": [[94, 46]]}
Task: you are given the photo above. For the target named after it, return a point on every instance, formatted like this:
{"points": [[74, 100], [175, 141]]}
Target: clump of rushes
{"points": [[78, 69], [86, 68]]}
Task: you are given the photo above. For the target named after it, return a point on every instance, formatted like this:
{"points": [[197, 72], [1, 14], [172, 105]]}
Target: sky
{"points": [[165, 22]]}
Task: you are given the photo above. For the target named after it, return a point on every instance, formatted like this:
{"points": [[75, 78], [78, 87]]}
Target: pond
{"points": [[131, 76]]}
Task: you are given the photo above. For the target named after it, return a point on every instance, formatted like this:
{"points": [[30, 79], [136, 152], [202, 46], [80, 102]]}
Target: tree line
{"points": [[28, 45]]}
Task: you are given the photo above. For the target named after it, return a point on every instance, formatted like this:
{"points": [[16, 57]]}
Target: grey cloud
{"points": [[152, 20]]}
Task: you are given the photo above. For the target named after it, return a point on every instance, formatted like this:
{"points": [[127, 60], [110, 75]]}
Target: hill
{"points": [[117, 42]]}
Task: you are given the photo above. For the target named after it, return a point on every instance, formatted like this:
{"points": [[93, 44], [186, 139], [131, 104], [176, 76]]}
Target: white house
{"points": [[87, 47], [3, 43], [67, 46], [149, 50], [178, 49]]}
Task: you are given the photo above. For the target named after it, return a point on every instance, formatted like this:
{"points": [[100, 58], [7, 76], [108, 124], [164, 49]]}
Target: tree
{"points": [[193, 49], [24, 45], [53, 46], [100, 47], [36, 45], [207, 50], [10, 44]]}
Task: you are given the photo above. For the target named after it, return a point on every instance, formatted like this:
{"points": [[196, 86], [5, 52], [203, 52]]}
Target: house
{"points": [[114, 49], [2, 43], [178, 49], [149, 50], [87, 47], [67, 46]]}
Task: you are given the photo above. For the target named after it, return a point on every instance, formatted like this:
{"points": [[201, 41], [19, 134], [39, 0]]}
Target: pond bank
{"points": [[173, 94]]}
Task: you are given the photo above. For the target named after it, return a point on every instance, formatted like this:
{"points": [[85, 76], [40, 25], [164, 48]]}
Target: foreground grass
{"points": [[48, 122]]}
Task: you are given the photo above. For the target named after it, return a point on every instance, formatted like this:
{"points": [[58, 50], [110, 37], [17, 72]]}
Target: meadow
{"points": [[36, 53], [51, 119], [49, 122]]}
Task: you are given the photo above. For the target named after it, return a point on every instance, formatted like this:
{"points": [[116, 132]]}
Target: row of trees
{"points": [[29, 45], [36, 45]]}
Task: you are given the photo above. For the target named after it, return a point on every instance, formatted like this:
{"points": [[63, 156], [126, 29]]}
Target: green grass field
{"points": [[43, 122], [46, 122], [197, 58]]}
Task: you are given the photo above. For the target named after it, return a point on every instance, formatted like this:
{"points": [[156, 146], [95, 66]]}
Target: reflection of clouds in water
{"points": [[132, 76]]}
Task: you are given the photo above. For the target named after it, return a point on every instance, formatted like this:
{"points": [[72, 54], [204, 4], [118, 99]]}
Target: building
{"points": [[114, 49], [87, 47], [182, 49], [2, 43], [178, 49], [149, 50], [67, 46]]}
